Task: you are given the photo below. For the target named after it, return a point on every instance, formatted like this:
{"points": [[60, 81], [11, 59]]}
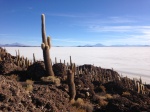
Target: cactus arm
{"points": [[43, 29]]}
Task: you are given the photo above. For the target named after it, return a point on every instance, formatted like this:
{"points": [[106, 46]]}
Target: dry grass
{"points": [[29, 88], [78, 103], [64, 78], [48, 79], [126, 93], [116, 96], [14, 77], [102, 99], [29, 82], [103, 88], [78, 110], [51, 79], [29, 85], [102, 103], [57, 81], [88, 107], [82, 106], [72, 101], [108, 96]]}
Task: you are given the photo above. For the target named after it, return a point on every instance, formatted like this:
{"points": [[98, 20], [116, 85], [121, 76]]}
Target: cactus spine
{"points": [[46, 47]]}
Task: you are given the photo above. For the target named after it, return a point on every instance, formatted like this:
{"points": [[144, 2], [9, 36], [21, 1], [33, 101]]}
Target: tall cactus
{"points": [[46, 47], [71, 84]]}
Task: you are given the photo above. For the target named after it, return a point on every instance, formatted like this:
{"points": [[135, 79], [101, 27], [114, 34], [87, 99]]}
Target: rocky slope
{"points": [[25, 87]]}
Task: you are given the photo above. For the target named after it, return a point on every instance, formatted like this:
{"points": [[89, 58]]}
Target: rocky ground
{"points": [[24, 87]]}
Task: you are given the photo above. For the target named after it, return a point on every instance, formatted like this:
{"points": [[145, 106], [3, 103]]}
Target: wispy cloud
{"points": [[117, 19], [132, 39], [140, 29], [120, 29], [81, 15], [63, 15], [114, 20], [75, 41]]}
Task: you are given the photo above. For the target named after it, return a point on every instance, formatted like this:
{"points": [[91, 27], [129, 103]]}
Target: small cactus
{"points": [[70, 61], [55, 60], [71, 84], [34, 60], [138, 87]]}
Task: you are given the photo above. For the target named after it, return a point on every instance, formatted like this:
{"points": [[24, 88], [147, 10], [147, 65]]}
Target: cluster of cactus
{"points": [[46, 45], [18, 60], [98, 74], [104, 76], [21, 61], [134, 84], [139, 87]]}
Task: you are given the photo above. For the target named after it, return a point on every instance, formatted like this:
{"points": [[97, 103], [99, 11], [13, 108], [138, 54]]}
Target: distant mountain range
{"points": [[101, 45], [87, 45], [96, 45], [15, 45]]}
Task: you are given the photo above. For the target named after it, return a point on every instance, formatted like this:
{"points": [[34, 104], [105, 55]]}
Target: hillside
{"points": [[26, 87]]}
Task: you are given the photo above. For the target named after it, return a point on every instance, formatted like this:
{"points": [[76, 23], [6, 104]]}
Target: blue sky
{"points": [[76, 22]]}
